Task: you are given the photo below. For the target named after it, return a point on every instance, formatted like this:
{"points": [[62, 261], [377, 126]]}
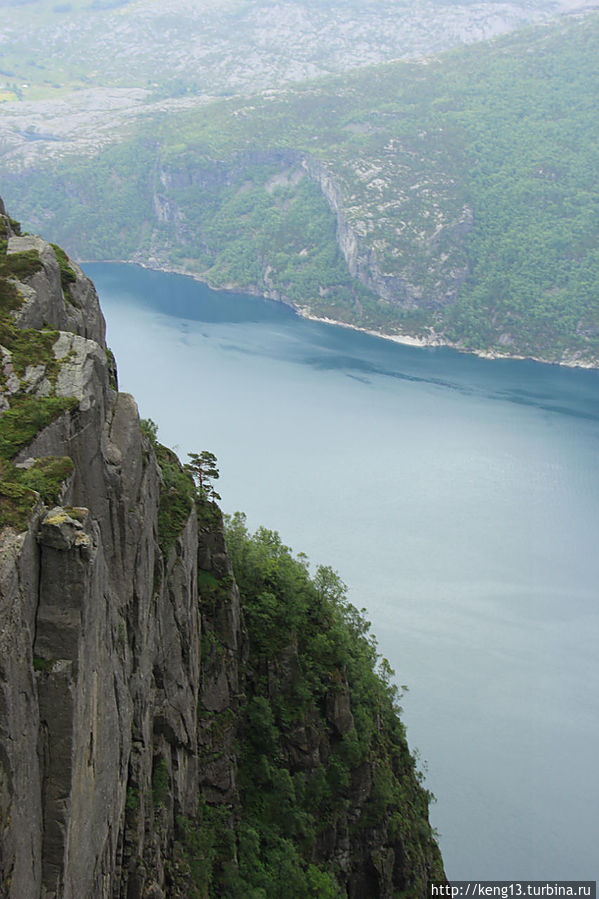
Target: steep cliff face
{"points": [[101, 630], [124, 657], [436, 278], [431, 283]]}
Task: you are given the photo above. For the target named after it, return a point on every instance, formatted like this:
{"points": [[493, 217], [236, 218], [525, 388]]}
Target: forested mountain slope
{"points": [[452, 199]]}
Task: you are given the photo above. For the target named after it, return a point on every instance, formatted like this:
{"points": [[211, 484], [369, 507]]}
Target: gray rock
{"points": [[59, 531], [79, 358], [338, 709], [46, 304]]}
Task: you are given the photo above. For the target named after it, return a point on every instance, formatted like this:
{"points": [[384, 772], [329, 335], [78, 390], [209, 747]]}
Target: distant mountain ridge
{"points": [[232, 47]]}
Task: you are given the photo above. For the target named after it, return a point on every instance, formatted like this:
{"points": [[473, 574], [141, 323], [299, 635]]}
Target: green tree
{"points": [[203, 470], [149, 429]]}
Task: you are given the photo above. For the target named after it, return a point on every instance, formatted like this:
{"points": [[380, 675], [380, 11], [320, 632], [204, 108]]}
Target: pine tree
{"points": [[203, 470]]}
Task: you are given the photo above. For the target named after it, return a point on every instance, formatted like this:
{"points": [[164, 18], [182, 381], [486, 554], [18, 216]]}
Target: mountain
{"points": [[122, 51], [449, 199], [184, 710]]}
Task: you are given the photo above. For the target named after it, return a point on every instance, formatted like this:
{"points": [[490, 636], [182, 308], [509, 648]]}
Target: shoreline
{"points": [[434, 340]]}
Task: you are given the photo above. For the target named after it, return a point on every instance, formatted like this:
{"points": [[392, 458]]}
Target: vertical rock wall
{"points": [[100, 636]]}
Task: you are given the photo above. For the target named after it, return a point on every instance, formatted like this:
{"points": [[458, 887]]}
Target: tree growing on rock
{"points": [[202, 468]]}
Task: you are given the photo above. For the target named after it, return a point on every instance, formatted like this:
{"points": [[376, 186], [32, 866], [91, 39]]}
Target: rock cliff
{"points": [[173, 226], [125, 655], [401, 285]]}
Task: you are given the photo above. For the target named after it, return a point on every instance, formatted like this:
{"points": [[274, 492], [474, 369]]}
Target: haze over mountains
{"points": [[73, 74], [224, 46], [450, 200]]}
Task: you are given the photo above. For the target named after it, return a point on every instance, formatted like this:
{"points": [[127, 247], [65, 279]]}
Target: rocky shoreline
{"points": [[432, 340], [435, 340]]}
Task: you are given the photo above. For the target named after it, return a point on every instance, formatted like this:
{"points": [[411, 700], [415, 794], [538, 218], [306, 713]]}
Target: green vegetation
{"points": [[183, 487], [147, 426], [16, 503], [268, 228], [67, 274], [20, 265], [160, 782], [29, 347], [17, 266], [112, 377], [177, 497], [311, 656], [43, 665], [112, 205], [14, 267], [27, 416], [19, 488], [46, 476], [203, 470], [132, 800], [467, 181]]}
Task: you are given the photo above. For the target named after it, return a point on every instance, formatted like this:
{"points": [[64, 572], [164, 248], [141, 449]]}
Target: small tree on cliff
{"points": [[202, 468]]}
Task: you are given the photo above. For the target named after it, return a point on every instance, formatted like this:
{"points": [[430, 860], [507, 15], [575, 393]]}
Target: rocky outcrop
{"points": [[401, 285], [78, 313], [101, 633], [122, 654]]}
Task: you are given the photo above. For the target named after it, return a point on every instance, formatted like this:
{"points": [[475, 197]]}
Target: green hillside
{"points": [[459, 195]]}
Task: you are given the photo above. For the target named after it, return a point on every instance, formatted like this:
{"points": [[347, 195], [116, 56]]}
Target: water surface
{"points": [[459, 500]]}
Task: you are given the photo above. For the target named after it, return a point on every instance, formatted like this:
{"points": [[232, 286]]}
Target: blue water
{"points": [[457, 497]]}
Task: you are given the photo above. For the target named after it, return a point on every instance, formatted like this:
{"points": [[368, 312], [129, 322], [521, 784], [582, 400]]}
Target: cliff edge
{"points": [[148, 708]]}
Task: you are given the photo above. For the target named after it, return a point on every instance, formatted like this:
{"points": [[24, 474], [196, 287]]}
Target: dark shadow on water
{"points": [[358, 378]]}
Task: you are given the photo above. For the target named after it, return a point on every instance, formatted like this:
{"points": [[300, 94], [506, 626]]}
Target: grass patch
{"points": [[9, 299], [17, 266], [67, 274], [47, 475], [21, 488], [207, 581], [160, 783], [16, 503], [44, 665], [20, 265], [31, 347], [26, 417]]}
